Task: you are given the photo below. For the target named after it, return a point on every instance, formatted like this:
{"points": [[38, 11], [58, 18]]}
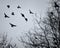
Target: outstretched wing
{"points": [[6, 16], [26, 19], [12, 25], [22, 15], [31, 12], [18, 6]]}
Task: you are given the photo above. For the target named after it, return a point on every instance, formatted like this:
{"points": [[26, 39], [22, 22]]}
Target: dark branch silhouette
{"points": [[5, 43], [12, 25], [6, 16]]}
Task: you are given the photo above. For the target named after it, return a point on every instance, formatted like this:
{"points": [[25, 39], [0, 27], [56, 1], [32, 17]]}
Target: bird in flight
{"points": [[18, 6], [23, 15], [12, 13], [31, 12], [8, 6], [51, 13], [26, 19], [6, 16], [12, 25], [56, 5]]}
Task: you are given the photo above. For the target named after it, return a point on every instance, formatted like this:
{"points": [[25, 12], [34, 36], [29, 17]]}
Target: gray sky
{"points": [[36, 6]]}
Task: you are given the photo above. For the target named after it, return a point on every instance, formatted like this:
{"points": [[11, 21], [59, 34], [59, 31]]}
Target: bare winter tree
{"points": [[4, 43], [54, 23], [46, 34]]}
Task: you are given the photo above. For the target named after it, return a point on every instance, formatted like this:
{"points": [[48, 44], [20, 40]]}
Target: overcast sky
{"points": [[36, 6]]}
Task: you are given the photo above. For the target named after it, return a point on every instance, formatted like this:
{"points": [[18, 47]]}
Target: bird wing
{"points": [[18, 7], [6, 16], [12, 25], [31, 12]]}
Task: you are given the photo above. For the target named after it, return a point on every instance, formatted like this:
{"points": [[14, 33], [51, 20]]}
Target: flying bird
{"points": [[23, 15], [8, 6], [31, 12], [51, 13], [12, 25], [6, 16], [26, 19], [18, 6], [12, 13], [56, 5], [35, 37]]}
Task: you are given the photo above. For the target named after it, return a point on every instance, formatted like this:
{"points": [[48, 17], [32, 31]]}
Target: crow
{"points": [[56, 5], [6, 16], [51, 13], [12, 13], [26, 19], [31, 12], [23, 15], [8, 6], [35, 37], [18, 6], [12, 25]]}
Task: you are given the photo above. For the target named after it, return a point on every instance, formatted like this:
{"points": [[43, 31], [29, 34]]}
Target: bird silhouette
{"points": [[12, 13], [6, 16], [51, 13], [56, 5], [12, 25], [8, 6], [18, 6], [26, 19], [23, 15], [35, 37], [31, 12]]}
